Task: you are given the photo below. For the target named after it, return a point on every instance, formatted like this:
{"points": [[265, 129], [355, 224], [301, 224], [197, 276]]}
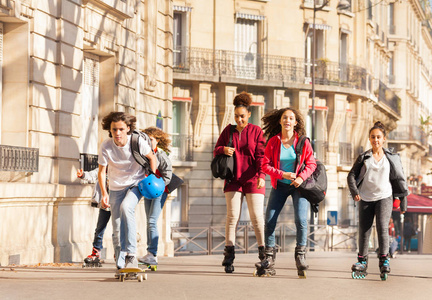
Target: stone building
{"points": [[371, 63], [64, 65]]}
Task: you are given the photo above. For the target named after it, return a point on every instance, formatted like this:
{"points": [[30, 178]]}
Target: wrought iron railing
{"points": [[248, 65], [321, 150], [88, 161], [408, 133], [388, 97], [211, 240], [19, 159], [345, 154], [182, 147]]}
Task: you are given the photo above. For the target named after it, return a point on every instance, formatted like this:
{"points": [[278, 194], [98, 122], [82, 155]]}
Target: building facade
{"points": [[370, 61], [65, 64]]}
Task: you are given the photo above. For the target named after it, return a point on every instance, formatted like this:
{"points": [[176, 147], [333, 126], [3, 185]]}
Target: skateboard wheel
{"points": [[122, 278], [140, 278], [154, 268], [145, 276]]}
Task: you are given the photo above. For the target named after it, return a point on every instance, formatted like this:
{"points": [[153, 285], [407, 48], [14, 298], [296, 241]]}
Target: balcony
{"points": [[247, 65], [182, 147], [408, 134], [388, 97]]}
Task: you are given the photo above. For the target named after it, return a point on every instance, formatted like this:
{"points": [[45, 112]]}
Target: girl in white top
{"points": [[374, 180], [124, 174]]}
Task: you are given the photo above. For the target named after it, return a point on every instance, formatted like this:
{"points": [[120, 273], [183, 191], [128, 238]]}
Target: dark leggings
{"points": [[367, 211]]}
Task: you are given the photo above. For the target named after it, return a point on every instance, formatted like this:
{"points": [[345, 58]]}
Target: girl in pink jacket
{"points": [[248, 181], [283, 127]]}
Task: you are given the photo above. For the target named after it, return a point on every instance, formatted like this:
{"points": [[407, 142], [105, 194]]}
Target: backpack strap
{"points": [[299, 148], [143, 161], [232, 129]]}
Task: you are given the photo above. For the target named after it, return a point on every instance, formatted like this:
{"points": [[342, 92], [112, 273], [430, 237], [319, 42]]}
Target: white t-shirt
{"points": [[123, 170], [376, 182]]}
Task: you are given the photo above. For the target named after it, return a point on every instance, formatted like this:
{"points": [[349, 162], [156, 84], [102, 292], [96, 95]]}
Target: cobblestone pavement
{"points": [[203, 277]]}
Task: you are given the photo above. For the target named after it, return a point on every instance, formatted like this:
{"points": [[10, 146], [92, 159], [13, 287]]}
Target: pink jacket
{"points": [[271, 161], [249, 153]]}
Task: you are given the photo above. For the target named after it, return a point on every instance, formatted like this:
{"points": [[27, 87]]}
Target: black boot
{"points": [[265, 267], [229, 255], [300, 259]]}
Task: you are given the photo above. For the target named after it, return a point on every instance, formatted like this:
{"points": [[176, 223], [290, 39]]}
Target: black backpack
{"points": [[222, 166], [313, 188]]}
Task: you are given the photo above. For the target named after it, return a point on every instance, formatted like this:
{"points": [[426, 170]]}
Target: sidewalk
{"points": [[202, 277]]}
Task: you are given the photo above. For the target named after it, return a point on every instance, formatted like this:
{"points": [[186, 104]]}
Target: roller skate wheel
{"points": [[384, 276], [140, 278], [355, 275], [229, 269], [255, 273], [301, 274]]}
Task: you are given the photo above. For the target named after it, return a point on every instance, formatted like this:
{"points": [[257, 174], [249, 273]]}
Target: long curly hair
{"points": [[116, 116], [272, 126], [164, 141]]}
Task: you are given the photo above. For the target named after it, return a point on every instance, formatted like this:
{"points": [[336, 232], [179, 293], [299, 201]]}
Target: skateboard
{"points": [[148, 266], [131, 274]]}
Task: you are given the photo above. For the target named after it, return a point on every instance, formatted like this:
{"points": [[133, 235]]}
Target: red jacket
{"points": [[271, 162], [249, 153]]}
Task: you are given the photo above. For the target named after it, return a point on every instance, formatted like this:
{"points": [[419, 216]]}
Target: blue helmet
{"points": [[151, 187]]}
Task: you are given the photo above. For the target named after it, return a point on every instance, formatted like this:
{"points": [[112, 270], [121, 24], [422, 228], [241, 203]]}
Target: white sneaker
{"points": [[149, 259], [131, 261]]}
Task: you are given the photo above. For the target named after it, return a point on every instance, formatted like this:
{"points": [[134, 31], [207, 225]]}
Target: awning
{"points": [[182, 8], [419, 204], [240, 15], [319, 26]]}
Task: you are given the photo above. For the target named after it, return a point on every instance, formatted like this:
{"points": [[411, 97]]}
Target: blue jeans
{"points": [[275, 204], [123, 205], [153, 208], [102, 222]]}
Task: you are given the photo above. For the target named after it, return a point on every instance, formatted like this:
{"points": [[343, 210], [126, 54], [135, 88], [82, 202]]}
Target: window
{"points": [[246, 48], [343, 56], [180, 35], [390, 71], [181, 149], [90, 104], [391, 23], [319, 49]]}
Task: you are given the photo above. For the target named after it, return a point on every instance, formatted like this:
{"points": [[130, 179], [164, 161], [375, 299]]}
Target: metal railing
{"points": [[182, 147], [409, 133], [89, 162], [19, 159], [211, 240], [345, 154]]}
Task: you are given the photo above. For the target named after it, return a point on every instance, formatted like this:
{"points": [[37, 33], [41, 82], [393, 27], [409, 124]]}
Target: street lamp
{"points": [[342, 5]]}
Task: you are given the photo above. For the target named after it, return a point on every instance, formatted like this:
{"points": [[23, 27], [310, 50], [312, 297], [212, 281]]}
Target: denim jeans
{"points": [[102, 222], [123, 205], [275, 204], [153, 208]]}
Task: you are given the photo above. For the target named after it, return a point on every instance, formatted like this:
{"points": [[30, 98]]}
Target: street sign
{"points": [[332, 217]]}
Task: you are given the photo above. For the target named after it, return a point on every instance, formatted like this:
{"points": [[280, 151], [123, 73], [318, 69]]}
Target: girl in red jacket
{"points": [[248, 141], [283, 128]]}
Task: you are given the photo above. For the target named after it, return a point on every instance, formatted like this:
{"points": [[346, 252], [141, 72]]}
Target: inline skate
{"points": [[229, 255], [93, 260], [360, 267], [384, 266], [300, 259], [265, 267]]}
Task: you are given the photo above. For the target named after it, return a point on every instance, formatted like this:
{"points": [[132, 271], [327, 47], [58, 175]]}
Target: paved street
{"points": [[202, 277]]}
